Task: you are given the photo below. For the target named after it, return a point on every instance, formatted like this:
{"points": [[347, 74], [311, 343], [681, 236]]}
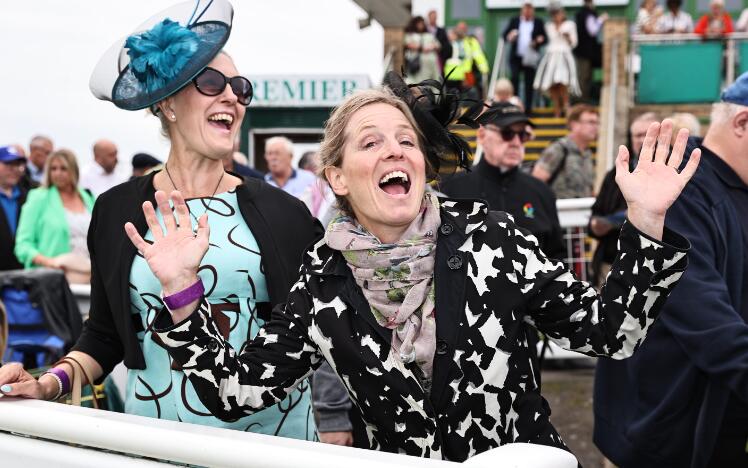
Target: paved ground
{"points": [[568, 389]]}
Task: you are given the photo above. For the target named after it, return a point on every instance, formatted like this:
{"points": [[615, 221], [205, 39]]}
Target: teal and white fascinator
{"points": [[163, 54]]}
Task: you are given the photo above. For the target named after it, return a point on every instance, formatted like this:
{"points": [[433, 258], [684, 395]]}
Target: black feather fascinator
{"points": [[435, 109]]}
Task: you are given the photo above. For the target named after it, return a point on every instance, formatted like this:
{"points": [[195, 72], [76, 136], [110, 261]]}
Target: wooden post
{"points": [[393, 40], [614, 93]]}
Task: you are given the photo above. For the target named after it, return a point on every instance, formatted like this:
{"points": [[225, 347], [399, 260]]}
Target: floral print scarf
{"points": [[397, 279]]}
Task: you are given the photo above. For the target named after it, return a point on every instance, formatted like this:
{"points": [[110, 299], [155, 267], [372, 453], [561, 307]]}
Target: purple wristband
{"points": [[64, 379], [185, 296]]}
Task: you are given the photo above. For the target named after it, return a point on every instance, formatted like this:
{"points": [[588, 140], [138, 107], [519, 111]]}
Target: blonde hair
{"points": [[687, 121], [335, 138], [503, 85], [68, 157]]}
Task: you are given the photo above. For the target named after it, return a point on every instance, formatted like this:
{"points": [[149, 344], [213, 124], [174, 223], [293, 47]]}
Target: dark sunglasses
{"points": [[211, 82], [507, 134]]}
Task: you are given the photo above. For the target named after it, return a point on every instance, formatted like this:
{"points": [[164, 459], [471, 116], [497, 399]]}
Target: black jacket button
{"points": [[441, 347], [454, 262], [446, 229], [213, 346]]}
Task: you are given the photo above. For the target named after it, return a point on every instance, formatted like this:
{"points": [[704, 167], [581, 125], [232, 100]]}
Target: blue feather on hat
{"points": [[159, 54]]}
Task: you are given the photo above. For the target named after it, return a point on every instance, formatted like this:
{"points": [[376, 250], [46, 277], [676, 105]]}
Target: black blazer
{"points": [[538, 30], [8, 260], [281, 224]]}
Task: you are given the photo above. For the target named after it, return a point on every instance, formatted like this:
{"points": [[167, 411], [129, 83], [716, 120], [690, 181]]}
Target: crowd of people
{"points": [[652, 18], [302, 302]]}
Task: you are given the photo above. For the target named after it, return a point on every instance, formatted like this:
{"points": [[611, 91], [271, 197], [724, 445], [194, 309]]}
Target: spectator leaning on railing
{"points": [[647, 17], [675, 20], [742, 24], [716, 23]]}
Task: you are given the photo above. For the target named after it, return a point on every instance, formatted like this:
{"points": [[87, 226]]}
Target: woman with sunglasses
{"points": [[258, 232], [421, 305], [498, 179]]}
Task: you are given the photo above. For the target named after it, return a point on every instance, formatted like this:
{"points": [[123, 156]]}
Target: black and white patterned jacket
{"points": [[492, 285]]}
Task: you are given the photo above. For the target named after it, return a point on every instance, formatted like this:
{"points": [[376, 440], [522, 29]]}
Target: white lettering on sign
{"points": [[304, 91]]}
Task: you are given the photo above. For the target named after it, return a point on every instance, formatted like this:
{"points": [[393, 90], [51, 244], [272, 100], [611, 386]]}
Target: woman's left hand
{"points": [[655, 183]]}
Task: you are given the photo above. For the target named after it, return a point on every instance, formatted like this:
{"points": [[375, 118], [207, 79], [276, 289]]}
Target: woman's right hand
{"points": [[15, 381], [174, 256]]}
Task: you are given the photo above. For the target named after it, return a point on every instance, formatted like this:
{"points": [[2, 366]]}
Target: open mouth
{"points": [[222, 121], [395, 183]]}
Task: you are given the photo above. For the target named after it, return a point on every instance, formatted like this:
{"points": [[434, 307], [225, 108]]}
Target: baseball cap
{"points": [[737, 93], [503, 114], [144, 161], [10, 154]]}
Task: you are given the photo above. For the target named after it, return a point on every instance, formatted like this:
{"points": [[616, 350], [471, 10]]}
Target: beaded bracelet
{"points": [[59, 386], [63, 381]]}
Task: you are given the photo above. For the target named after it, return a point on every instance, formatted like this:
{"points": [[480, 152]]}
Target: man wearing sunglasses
{"points": [[498, 180]]}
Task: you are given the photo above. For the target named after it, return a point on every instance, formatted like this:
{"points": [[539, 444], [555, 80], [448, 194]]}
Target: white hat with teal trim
{"points": [[163, 54]]}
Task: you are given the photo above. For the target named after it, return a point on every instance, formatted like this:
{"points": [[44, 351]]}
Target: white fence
{"points": [[102, 438]]}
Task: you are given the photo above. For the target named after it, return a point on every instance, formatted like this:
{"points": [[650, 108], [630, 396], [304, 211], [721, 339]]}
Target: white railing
{"points": [[132, 437], [574, 212]]}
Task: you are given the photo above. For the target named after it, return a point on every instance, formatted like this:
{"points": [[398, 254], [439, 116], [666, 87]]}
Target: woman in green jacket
{"points": [[54, 220]]}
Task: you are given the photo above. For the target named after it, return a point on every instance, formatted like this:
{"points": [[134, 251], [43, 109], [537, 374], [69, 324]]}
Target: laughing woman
{"points": [[259, 232], [421, 305]]}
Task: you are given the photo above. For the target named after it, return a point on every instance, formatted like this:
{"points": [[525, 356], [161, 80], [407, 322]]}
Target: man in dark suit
{"points": [[12, 196], [440, 34], [526, 34]]}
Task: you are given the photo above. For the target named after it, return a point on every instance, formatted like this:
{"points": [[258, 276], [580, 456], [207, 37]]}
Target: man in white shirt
{"points": [[675, 20], [101, 176], [526, 34], [281, 174], [40, 148]]}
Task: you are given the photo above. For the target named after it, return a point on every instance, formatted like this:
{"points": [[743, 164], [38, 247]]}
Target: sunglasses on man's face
{"points": [[508, 134], [211, 82]]}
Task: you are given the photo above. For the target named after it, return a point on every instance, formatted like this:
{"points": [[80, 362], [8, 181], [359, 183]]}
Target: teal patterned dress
{"points": [[235, 284]]}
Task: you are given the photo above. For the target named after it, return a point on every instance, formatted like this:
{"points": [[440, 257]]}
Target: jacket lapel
{"points": [[144, 192], [331, 264], [251, 212]]}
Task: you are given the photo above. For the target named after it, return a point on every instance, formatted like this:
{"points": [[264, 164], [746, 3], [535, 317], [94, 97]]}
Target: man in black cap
{"points": [[142, 163], [682, 399], [498, 179]]}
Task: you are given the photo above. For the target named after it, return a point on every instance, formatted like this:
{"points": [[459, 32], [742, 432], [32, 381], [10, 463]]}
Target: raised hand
{"points": [[655, 183], [175, 254]]}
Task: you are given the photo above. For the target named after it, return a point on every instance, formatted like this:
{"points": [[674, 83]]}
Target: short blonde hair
{"points": [[335, 138], [687, 121], [68, 157], [503, 85]]}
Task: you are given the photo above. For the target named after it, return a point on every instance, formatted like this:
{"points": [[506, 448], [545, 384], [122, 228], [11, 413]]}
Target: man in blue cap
{"points": [[682, 399], [12, 196]]}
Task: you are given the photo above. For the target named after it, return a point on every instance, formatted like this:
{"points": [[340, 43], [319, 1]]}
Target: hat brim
{"points": [[114, 81], [11, 160], [510, 120]]}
